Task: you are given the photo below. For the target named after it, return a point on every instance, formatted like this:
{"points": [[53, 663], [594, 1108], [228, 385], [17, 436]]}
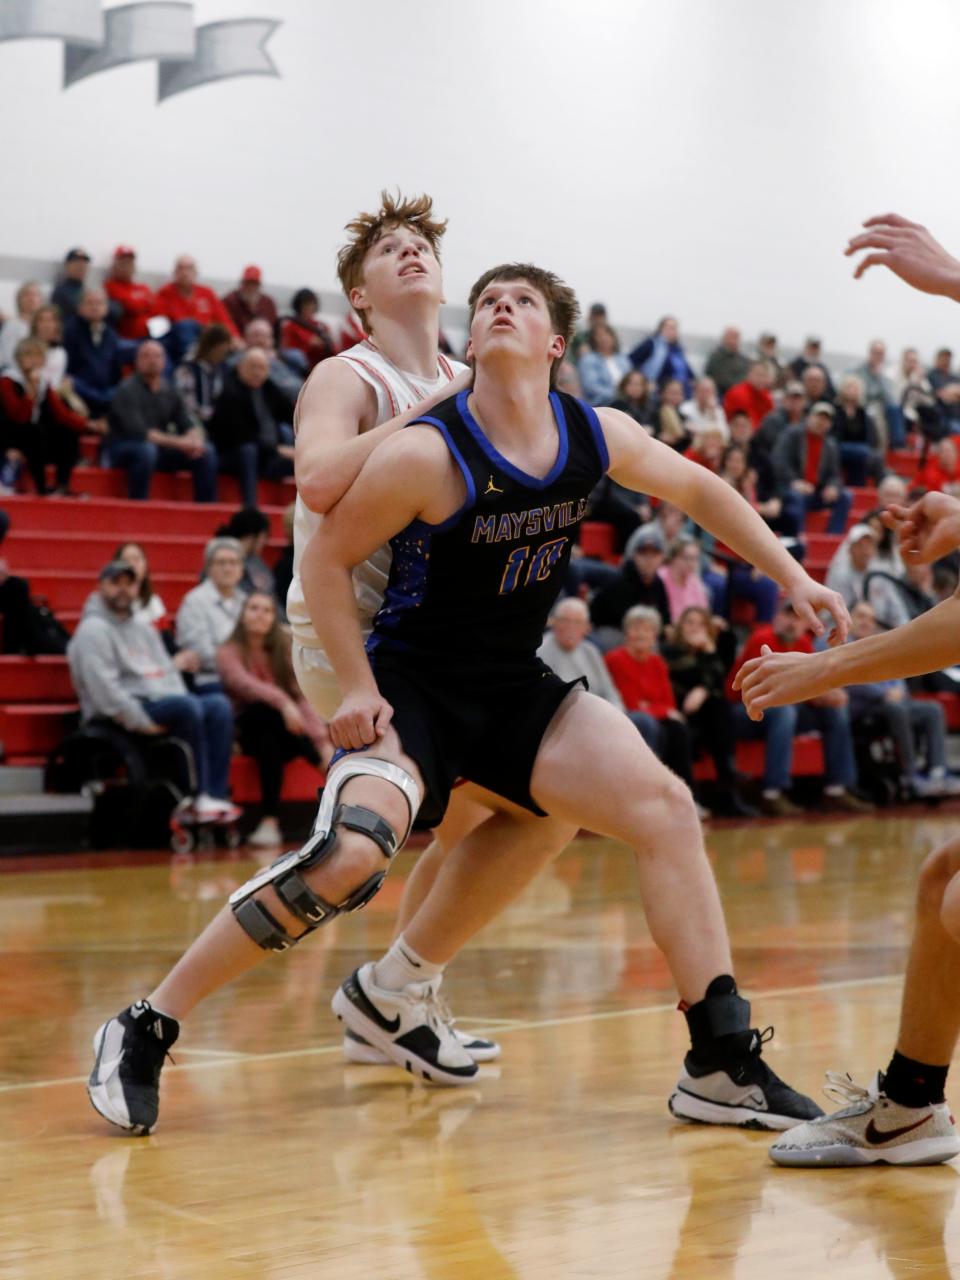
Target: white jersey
{"points": [[396, 391]]}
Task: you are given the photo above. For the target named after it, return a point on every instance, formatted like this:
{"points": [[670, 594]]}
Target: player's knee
{"points": [[354, 860], [668, 807]]}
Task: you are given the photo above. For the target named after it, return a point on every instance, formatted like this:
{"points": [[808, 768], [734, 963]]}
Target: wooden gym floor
{"points": [[275, 1159]]}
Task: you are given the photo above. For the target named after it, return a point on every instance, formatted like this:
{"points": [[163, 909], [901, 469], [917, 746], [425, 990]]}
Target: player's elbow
{"points": [[314, 485]]}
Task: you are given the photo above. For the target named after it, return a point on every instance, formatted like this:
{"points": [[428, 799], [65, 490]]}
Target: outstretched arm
{"points": [[910, 252], [928, 530], [647, 466]]}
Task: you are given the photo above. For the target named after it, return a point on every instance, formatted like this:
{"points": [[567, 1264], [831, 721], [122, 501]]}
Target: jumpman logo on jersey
{"points": [[491, 488]]}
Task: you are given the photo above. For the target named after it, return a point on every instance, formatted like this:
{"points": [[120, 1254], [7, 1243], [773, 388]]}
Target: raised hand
{"points": [[909, 251], [927, 530]]}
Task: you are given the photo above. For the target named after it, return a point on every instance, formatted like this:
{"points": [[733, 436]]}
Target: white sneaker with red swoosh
{"points": [[870, 1129]]}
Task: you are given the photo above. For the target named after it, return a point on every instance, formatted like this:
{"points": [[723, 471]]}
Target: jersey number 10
{"points": [[538, 569]]}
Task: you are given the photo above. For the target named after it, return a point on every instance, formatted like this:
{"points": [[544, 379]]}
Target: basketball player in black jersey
{"points": [[481, 501]]}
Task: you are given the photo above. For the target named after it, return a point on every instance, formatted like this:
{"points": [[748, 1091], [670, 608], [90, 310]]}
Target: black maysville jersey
{"points": [[478, 588]]}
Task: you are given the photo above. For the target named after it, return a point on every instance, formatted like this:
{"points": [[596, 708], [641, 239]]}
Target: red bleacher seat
{"points": [[807, 759], [118, 516], [43, 679], [598, 540]]}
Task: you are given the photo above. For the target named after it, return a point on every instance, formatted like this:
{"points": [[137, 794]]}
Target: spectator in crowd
{"points": [[703, 409], [939, 467], [249, 302], [670, 426], [251, 529], [751, 396], [727, 364], [811, 357], [767, 352], [807, 463], [855, 432], [909, 721], [568, 379], [681, 576], [148, 605], [602, 367], [898, 600], [880, 398], [283, 565], [199, 378], [150, 430], [596, 317], [29, 299], [275, 723], [132, 303], [828, 715], [892, 488], [94, 358], [851, 562], [613, 504], [911, 387], [288, 378], [250, 425], [122, 672], [816, 384], [35, 423], [68, 290], [791, 411], [638, 582], [709, 442], [699, 660], [189, 307], [662, 359], [25, 628], [303, 332], [634, 398], [567, 651], [208, 614], [946, 387], [735, 470], [643, 682], [760, 479], [47, 328]]}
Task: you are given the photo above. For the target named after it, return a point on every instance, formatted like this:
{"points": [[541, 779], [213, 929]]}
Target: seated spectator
{"points": [[807, 464], [851, 562], [727, 365], [251, 528], [699, 659], [132, 303], [148, 605], [856, 435], [681, 576], [662, 359], [817, 384], [880, 398], [68, 290], [752, 396], [810, 358], [36, 426], [122, 672], [29, 299], [792, 410], [190, 307], [200, 376], [249, 302], [47, 328], [94, 357], [911, 387], [634, 398], [767, 352], [287, 377], [670, 427], [761, 476], [939, 468], [596, 317], [251, 425], [828, 715], [303, 332], [703, 410], [946, 388], [25, 627], [567, 651], [283, 565], [643, 682], [892, 488], [638, 582], [275, 723], [707, 448], [896, 599], [208, 614], [602, 367], [150, 430], [905, 718]]}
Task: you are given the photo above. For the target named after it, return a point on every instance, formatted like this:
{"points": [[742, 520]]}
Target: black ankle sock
{"points": [[913, 1084], [719, 1024]]}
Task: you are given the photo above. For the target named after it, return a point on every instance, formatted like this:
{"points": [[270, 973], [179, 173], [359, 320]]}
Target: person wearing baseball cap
{"points": [[67, 291], [851, 562], [131, 303], [249, 302], [807, 465]]}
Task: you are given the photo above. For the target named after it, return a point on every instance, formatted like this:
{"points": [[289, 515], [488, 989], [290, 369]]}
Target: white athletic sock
{"points": [[401, 966]]}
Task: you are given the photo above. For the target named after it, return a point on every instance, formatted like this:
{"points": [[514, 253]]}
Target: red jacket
{"points": [[755, 642], [743, 398], [17, 407], [932, 475], [314, 340], [644, 683], [241, 314], [137, 302], [201, 304]]}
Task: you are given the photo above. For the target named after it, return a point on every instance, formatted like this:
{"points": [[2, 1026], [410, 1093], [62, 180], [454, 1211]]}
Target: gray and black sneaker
{"points": [[407, 1026], [130, 1049], [744, 1092]]}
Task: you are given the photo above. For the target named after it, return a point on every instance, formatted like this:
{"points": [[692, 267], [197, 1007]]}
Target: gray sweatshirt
{"points": [[117, 661], [585, 660], [205, 621]]}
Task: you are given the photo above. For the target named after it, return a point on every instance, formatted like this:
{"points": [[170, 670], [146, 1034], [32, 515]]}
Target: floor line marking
{"points": [[317, 1051]]}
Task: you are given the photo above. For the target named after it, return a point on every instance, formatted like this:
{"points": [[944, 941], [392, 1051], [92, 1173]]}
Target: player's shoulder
{"points": [[419, 444]]}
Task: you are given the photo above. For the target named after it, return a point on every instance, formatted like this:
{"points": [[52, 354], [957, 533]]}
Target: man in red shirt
{"points": [[827, 714], [807, 465], [643, 681], [183, 299], [752, 396], [249, 302], [131, 303]]}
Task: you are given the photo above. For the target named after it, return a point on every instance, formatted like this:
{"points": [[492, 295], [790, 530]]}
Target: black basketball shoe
{"points": [[130, 1049]]}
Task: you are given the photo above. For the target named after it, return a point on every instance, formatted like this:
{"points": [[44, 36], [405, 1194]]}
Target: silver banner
{"points": [[97, 40]]}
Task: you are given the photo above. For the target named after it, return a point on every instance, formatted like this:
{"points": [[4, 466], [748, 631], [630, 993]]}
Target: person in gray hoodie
{"points": [[122, 672]]}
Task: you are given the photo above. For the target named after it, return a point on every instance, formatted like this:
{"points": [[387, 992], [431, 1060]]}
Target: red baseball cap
{"points": [[251, 275], [124, 251]]}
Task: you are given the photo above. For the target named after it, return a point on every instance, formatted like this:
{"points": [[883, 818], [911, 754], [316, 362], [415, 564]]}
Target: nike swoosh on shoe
{"points": [[877, 1136]]}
